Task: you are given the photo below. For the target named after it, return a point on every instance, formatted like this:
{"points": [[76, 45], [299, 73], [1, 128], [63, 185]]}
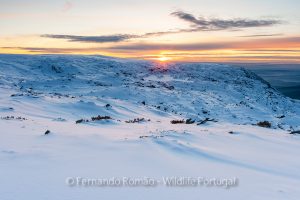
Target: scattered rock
{"points": [[13, 118], [175, 121], [204, 111], [295, 132], [80, 121], [189, 121], [151, 136], [56, 69], [264, 124], [98, 118], [206, 120], [47, 132], [59, 119], [16, 95], [281, 116], [137, 120]]}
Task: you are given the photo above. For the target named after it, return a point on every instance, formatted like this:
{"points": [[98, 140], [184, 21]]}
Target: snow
{"points": [[51, 92]]}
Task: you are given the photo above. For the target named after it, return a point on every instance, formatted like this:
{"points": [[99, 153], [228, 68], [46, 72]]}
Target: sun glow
{"points": [[163, 59]]}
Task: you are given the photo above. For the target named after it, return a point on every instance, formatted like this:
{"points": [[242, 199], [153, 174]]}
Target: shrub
{"points": [[136, 120], [264, 124], [13, 118], [100, 118], [207, 120], [97, 118], [176, 121], [79, 121], [189, 121], [295, 132]]}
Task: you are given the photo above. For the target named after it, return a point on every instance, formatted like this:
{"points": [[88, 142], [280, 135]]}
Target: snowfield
{"points": [[65, 119]]}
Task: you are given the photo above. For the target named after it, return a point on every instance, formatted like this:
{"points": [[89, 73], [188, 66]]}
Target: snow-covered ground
{"points": [[137, 140]]}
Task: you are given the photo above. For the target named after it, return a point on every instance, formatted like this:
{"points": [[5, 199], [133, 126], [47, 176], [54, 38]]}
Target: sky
{"points": [[163, 30]]}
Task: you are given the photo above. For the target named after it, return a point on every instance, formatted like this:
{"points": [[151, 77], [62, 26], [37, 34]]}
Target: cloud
{"points": [[181, 47], [196, 25], [286, 42], [67, 6], [48, 50], [92, 39], [214, 24], [262, 35], [107, 38], [291, 44]]}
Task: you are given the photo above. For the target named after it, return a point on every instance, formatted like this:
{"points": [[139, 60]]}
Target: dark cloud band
{"points": [[92, 39], [196, 25], [268, 44], [215, 24]]}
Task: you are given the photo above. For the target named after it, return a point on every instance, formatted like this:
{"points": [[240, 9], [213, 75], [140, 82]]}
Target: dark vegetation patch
{"points": [[264, 124], [17, 95], [59, 95], [206, 120], [56, 69], [97, 118], [81, 120], [7, 108], [176, 121], [295, 132], [158, 69], [137, 120], [59, 119], [169, 87], [204, 111], [151, 136], [151, 85], [187, 121], [140, 84], [13, 118], [97, 83]]}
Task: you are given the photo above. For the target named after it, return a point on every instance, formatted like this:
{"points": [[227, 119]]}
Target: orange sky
{"points": [[196, 31]]}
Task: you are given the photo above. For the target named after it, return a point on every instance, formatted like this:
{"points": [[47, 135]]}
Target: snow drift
{"points": [[106, 117]]}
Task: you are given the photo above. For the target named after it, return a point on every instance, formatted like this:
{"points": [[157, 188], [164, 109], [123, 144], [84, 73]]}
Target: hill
{"points": [[100, 117]]}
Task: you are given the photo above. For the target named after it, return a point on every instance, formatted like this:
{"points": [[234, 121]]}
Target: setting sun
{"points": [[163, 59]]}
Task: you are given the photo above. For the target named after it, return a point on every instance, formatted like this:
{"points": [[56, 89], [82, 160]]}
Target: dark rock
{"points": [[176, 121], [295, 132], [206, 120], [264, 124], [189, 121]]}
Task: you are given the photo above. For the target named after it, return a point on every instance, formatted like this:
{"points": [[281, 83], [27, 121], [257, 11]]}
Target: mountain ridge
{"points": [[182, 90]]}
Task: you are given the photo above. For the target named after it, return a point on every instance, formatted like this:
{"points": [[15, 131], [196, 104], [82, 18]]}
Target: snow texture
{"points": [[101, 117]]}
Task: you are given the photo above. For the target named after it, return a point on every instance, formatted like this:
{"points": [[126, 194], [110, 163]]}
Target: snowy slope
{"points": [[223, 104]]}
